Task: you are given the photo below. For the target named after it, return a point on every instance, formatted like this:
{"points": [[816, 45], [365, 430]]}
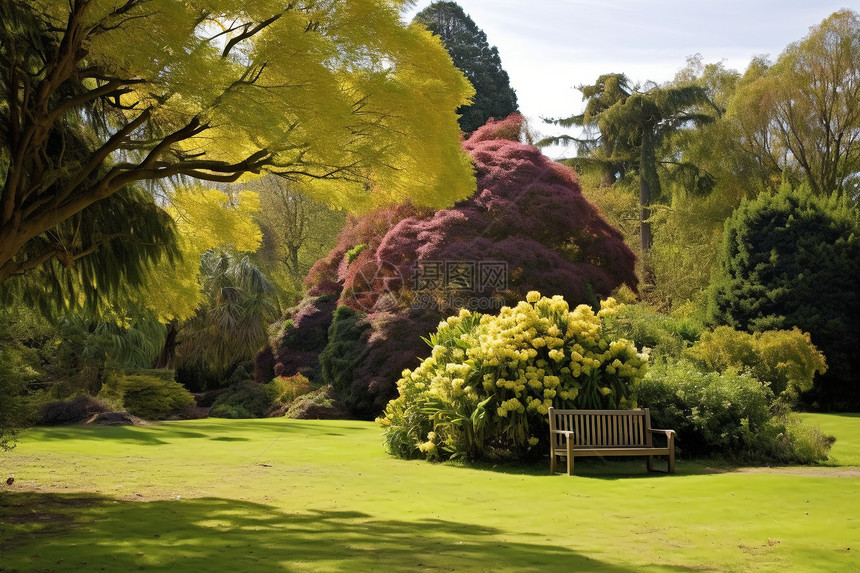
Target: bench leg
{"points": [[569, 457], [551, 461], [671, 463]]}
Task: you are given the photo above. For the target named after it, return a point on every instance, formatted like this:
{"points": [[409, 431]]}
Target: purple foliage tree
{"points": [[527, 227]]}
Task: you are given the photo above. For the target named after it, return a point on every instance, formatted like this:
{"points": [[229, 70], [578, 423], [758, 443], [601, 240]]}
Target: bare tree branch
{"points": [[248, 32]]}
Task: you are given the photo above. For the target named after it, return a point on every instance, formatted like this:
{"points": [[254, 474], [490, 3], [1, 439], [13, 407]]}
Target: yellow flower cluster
{"points": [[518, 364], [512, 405], [608, 307], [429, 447]]}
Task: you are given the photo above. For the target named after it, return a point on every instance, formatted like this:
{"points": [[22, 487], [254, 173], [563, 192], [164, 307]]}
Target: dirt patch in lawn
{"points": [[804, 471]]}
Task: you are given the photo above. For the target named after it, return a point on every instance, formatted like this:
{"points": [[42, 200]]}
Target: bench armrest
{"points": [[555, 445], [567, 433], [670, 435], [568, 436]]}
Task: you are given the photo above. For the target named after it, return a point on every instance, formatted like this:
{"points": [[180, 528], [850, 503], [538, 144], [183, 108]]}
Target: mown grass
{"points": [[291, 495], [846, 449]]}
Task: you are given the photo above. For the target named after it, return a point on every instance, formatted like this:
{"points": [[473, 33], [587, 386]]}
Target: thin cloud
{"points": [[548, 47]]}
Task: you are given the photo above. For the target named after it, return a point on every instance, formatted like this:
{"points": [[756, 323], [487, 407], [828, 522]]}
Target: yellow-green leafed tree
{"points": [[98, 96], [206, 219], [800, 117]]}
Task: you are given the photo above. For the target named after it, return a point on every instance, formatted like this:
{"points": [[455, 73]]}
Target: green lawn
{"points": [[291, 495], [846, 450]]}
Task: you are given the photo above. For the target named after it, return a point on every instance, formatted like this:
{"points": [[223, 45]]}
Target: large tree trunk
{"points": [[295, 271], [647, 182], [649, 185], [168, 352], [644, 215]]}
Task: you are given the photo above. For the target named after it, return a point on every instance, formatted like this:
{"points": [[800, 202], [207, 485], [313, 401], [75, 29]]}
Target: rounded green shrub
{"points": [[725, 414], [247, 399], [235, 411], [320, 404], [485, 390], [786, 360], [667, 335], [285, 389], [148, 394], [243, 400]]}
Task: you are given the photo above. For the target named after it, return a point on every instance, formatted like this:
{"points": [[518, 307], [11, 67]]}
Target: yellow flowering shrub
{"points": [[485, 390]]}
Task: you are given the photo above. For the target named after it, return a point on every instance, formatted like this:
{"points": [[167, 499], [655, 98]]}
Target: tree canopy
{"points": [[472, 54], [231, 324], [97, 97], [297, 230], [800, 117], [527, 214]]}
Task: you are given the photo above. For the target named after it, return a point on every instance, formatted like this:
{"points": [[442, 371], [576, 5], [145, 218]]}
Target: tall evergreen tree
{"points": [[628, 127], [480, 63], [598, 148]]}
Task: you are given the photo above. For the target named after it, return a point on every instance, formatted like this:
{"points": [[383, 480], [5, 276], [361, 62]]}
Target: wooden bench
{"points": [[576, 433]]}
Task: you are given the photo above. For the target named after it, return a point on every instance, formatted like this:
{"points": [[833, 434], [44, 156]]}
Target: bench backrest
{"points": [[603, 428]]}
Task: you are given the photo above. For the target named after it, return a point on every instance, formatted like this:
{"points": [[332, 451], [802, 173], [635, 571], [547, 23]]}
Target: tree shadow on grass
{"points": [[154, 435], [611, 468], [47, 532], [159, 433]]}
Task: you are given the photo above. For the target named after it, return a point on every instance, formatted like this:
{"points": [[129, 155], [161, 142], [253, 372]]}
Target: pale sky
{"points": [[550, 46]]}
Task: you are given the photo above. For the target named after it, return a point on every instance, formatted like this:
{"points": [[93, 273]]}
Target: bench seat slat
{"points": [[616, 451]]}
